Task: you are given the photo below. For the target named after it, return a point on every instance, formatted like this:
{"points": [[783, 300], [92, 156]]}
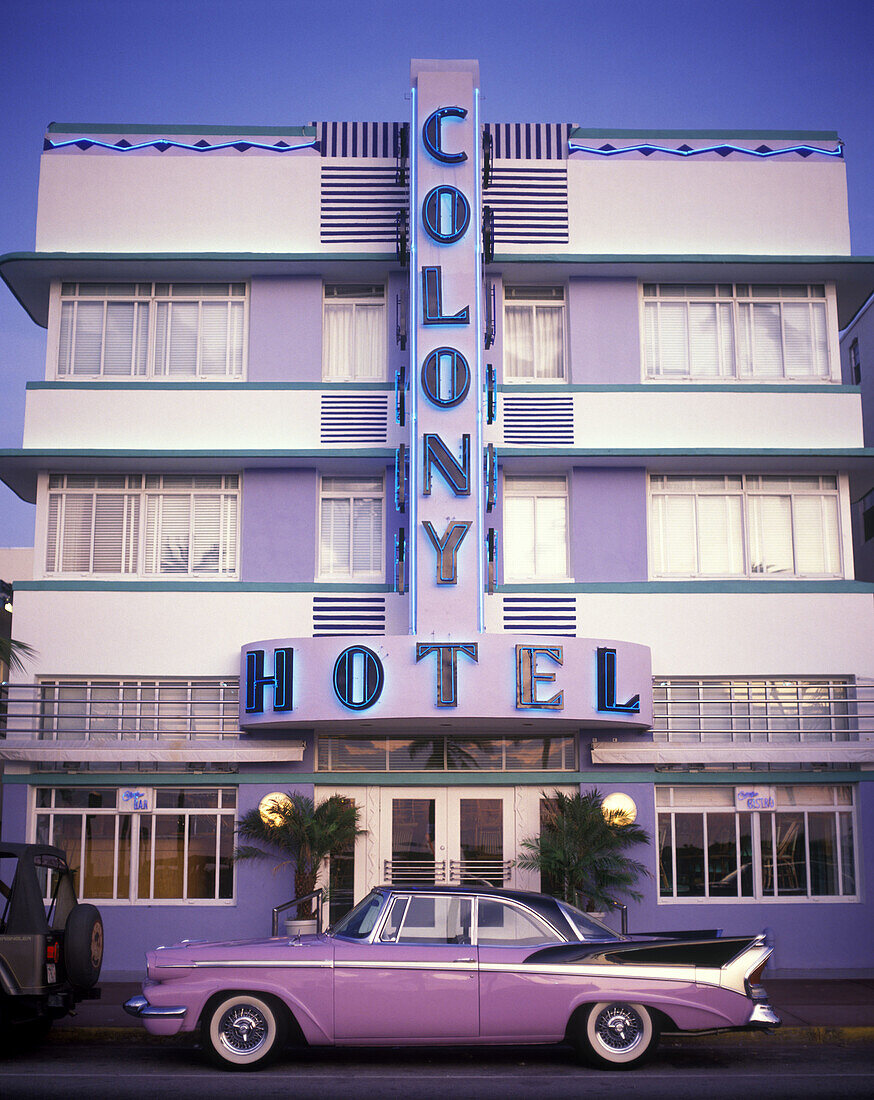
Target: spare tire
{"points": [[83, 945]]}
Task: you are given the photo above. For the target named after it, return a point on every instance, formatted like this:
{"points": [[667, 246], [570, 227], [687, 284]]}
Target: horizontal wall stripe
{"points": [[529, 206], [430, 779], [197, 586], [605, 587], [125, 128], [361, 204], [739, 135], [822, 389], [691, 586], [327, 387]]}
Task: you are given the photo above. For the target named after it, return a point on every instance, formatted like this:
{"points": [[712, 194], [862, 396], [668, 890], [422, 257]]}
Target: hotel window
{"points": [[443, 753], [535, 528], [711, 847], [181, 849], [145, 525], [351, 532], [744, 526], [759, 711], [353, 347], [534, 334], [152, 330], [737, 331]]}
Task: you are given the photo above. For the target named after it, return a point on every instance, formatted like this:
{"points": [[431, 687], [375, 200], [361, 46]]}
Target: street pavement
{"points": [[75, 1065]]}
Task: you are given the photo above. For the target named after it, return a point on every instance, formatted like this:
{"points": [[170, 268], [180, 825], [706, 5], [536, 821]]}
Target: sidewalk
{"points": [[801, 1002]]}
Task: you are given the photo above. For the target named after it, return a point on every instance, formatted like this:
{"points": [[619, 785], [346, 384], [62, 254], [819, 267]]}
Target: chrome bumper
{"points": [[764, 1016], [138, 1006]]}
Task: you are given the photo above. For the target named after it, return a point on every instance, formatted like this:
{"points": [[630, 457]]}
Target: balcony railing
{"points": [[762, 711], [123, 710]]}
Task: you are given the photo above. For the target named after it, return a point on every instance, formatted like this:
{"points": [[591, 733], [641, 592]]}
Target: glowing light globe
{"points": [[270, 807], [622, 806]]}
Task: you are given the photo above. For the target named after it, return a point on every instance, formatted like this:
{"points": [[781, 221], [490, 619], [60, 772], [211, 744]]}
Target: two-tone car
{"points": [[456, 965]]}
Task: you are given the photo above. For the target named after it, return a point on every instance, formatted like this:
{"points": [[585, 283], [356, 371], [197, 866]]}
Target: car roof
{"points": [[544, 904], [13, 850]]}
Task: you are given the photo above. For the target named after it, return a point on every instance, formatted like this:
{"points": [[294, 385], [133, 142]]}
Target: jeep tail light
{"points": [[53, 952]]}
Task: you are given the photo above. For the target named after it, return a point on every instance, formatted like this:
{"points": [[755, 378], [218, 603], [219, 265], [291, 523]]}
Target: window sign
{"points": [[135, 800], [755, 798]]}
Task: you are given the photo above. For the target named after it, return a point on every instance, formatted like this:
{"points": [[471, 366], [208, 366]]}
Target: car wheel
{"points": [[618, 1035], [83, 945], [244, 1032]]}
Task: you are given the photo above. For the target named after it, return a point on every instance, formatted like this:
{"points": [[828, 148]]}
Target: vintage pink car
{"points": [[441, 964]]}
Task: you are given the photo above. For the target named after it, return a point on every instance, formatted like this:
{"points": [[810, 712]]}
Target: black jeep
{"points": [[50, 953]]}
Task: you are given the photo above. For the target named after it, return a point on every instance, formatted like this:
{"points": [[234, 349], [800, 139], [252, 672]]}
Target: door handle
{"points": [[464, 960]]}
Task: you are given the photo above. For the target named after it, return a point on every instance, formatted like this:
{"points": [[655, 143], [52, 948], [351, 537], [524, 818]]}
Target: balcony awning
{"points": [[176, 751], [660, 752], [29, 274]]}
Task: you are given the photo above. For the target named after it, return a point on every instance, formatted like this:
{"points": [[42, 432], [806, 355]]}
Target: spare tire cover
{"points": [[83, 945]]}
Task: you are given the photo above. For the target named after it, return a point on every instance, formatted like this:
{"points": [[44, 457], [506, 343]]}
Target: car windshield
{"points": [[358, 922], [588, 927]]}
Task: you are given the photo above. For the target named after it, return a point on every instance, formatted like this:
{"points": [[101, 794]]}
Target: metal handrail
{"points": [[614, 904], [277, 909]]}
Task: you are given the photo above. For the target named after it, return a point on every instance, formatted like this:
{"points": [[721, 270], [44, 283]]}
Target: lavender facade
{"points": [[442, 464]]}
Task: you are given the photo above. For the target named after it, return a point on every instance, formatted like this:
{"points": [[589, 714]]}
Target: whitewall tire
{"points": [[244, 1031], [619, 1035]]}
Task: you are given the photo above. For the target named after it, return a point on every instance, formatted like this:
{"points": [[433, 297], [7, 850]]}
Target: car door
{"points": [[518, 1000], [416, 980]]}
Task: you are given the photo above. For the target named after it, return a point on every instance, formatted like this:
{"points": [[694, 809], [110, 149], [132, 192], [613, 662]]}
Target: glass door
{"points": [[413, 836], [481, 837]]}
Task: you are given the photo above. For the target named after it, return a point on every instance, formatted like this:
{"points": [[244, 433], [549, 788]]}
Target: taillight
{"points": [[754, 977], [53, 952]]}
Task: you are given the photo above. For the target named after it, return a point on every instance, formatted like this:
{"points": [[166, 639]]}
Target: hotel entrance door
{"points": [[455, 835]]}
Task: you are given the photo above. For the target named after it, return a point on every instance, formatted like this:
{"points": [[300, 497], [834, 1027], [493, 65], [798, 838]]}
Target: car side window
{"points": [[502, 925], [394, 920], [434, 920]]}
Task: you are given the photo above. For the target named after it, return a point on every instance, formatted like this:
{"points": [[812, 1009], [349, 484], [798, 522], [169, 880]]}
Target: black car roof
{"points": [[13, 850], [544, 904]]}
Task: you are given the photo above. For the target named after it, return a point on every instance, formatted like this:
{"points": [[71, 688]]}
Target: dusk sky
{"points": [[747, 65]]}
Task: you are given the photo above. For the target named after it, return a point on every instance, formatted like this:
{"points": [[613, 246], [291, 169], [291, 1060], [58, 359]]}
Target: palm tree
{"points": [[13, 653], [582, 849], [300, 833]]}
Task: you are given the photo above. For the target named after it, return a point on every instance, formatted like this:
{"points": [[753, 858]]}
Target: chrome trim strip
{"points": [[218, 963], [403, 964]]}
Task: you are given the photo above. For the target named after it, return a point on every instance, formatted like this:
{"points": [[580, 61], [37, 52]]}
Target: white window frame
{"points": [[142, 494], [746, 488], [352, 489], [357, 296], [536, 489], [667, 807], [535, 298], [736, 297], [149, 298], [226, 810]]}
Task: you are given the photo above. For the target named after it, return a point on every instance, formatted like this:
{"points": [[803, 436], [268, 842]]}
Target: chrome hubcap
{"points": [[619, 1028], [243, 1029]]}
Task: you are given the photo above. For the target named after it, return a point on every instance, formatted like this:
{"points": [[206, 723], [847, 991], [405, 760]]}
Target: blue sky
{"points": [[750, 64]]}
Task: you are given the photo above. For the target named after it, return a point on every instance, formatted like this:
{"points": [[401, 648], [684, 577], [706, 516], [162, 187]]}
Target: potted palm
{"points": [[582, 850], [301, 833]]}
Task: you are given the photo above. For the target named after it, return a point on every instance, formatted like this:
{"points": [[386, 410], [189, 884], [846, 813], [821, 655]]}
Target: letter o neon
{"points": [[459, 213]]}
